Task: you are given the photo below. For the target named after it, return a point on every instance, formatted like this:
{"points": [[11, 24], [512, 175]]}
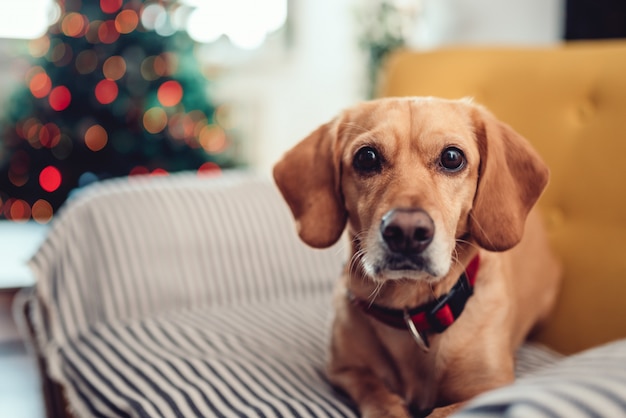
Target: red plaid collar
{"points": [[435, 316]]}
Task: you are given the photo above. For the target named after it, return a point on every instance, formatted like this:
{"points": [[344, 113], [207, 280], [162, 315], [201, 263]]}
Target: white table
{"points": [[18, 242]]}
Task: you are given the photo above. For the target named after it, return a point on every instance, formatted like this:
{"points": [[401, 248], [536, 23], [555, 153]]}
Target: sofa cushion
{"points": [[249, 360]]}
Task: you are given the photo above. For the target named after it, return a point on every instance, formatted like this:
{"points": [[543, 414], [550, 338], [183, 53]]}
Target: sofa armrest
{"points": [[132, 247], [589, 384]]}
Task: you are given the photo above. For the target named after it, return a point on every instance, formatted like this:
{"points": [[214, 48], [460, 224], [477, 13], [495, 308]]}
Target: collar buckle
{"points": [[421, 340]]}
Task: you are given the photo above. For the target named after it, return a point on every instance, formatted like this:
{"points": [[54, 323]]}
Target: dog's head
{"points": [[410, 177]]}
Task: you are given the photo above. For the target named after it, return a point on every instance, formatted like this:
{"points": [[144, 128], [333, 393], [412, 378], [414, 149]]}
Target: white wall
{"points": [[278, 102], [494, 22]]}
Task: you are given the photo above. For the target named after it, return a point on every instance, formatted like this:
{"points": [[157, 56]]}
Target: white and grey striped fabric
{"points": [[182, 296], [588, 385]]}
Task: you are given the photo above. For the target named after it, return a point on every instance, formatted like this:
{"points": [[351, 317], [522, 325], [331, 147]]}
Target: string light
{"points": [[49, 135], [125, 80], [19, 210], [50, 179], [114, 67], [126, 21], [60, 98], [107, 33], [96, 138], [39, 47], [138, 171], [74, 25], [42, 211], [209, 169], [170, 93], [110, 6], [40, 85], [155, 120], [213, 139], [106, 91]]}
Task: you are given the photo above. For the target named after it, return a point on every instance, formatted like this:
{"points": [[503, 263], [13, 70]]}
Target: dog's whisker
{"points": [[372, 297], [475, 221], [463, 241]]}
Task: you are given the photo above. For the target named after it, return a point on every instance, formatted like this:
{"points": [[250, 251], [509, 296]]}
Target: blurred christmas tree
{"points": [[106, 96]]}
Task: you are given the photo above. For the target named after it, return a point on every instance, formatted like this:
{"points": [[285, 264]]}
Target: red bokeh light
{"points": [[60, 98], [170, 93], [107, 33], [159, 172], [49, 135], [17, 210], [138, 171], [110, 6], [50, 179], [106, 91], [209, 169]]}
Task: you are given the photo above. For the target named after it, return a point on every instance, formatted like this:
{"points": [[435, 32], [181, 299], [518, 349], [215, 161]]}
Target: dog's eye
{"points": [[367, 160], [452, 159]]}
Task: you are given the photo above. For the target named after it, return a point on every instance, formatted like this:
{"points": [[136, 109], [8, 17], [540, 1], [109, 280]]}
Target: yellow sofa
{"points": [[570, 102]]}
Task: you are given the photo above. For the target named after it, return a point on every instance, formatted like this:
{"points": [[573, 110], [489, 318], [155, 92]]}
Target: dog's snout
{"points": [[407, 231]]}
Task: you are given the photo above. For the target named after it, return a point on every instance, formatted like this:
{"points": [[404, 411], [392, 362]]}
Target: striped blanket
{"points": [[182, 296]]}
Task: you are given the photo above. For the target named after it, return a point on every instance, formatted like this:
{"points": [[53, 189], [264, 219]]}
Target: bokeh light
{"points": [[110, 6], [93, 32], [60, 98], [107, 33], [154, 120], [170, 93], [165, 64], [39, 47], [50, 179], [40, 85], [87, 178], [106, 91], [61, 54], [151, 14], [86, 61], [114, 67], [181, 126], [74, 25], [49, 135], [212, 19], [42, 211], [126, 21], [19, 210], [213, 139], [209, 169], [96, 138], [138, 171], [159, 172], [17, 179]]}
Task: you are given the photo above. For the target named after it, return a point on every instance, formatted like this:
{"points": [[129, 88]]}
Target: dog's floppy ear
{"points": [[308, 177], [512, 177]]}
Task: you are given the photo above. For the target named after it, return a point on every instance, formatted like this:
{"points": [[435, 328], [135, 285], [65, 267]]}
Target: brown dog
{"points": [[449, 271]]}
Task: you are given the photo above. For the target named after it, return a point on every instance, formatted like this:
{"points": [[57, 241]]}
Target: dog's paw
{"points": [[446, 411], [393, 408]]}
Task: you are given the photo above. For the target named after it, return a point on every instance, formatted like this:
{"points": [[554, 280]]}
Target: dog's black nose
{"points": [[407, 231]]}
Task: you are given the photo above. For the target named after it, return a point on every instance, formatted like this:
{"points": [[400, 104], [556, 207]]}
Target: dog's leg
{"points": [[370, 393]]}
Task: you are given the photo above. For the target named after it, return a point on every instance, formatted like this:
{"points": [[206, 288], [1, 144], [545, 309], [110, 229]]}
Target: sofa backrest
{"points": [[570, 102]]}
